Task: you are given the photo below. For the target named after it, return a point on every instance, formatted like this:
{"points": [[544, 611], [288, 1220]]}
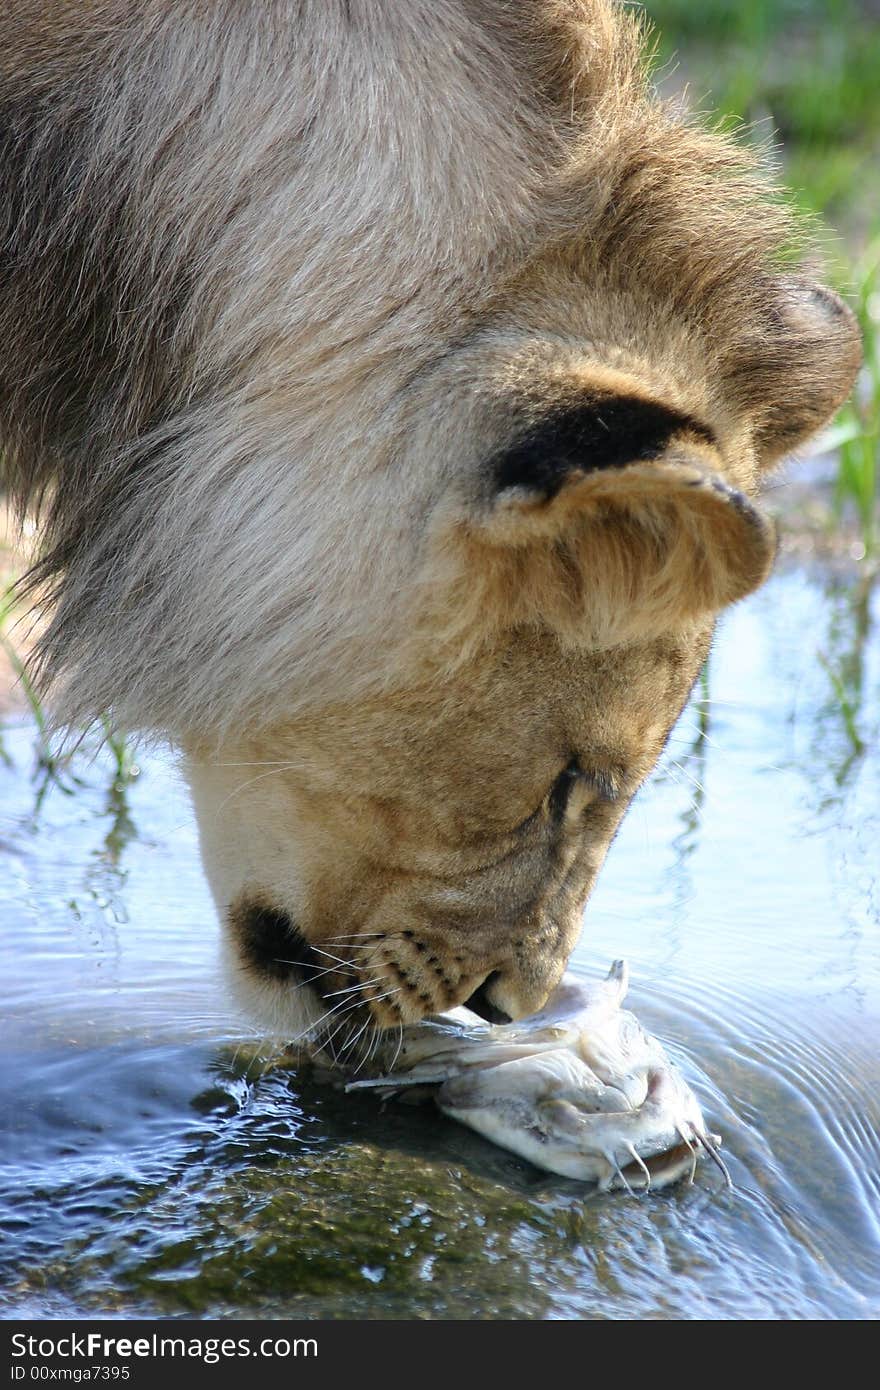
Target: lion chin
{"points": [[395, 385]]}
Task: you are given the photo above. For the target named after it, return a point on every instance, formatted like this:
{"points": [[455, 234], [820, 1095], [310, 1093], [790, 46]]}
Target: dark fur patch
{"points": [[271, 945], [600, 432]]}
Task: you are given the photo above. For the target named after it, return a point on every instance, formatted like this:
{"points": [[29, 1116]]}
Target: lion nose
{"points": [[481, 1004]]}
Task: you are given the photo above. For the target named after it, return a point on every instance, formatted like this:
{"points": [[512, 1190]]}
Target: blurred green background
{"points": [[804, 77], [804, 72]]}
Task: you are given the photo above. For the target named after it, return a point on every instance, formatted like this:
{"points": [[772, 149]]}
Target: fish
{"points": [[579, 1089]]}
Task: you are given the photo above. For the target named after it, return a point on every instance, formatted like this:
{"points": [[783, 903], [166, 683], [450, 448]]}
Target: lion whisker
{"points": [[694, 781], [350, 1042], [243, 786], [351, 989], [356, 936], [327, 1042], [375, 998], [398, 1048], [260, 762], [350, 965], [342, 1007], [316, 975]]}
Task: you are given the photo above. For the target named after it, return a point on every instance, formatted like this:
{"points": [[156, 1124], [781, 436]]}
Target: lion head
{"points": [[401, 380]]}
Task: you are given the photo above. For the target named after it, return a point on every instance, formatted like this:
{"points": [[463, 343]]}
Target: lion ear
{"points": [[801, 368], [659, 544], [610, 532]]}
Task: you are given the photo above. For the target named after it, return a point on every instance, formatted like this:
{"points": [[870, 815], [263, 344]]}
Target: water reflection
{"points": [[843, 660]]}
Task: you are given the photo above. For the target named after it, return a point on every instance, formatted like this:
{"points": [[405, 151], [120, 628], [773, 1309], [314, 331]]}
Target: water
{"points": [[149, 1164]]}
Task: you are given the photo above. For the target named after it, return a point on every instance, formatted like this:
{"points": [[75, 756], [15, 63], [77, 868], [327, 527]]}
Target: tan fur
{"points": [[282, 285]]}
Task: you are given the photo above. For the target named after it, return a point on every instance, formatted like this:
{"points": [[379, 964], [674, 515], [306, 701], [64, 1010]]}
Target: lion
{"points": [[395, 384]]}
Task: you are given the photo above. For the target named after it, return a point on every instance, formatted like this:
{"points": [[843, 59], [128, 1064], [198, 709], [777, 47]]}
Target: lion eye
{"points": [[604, 785], [558, 796]]}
